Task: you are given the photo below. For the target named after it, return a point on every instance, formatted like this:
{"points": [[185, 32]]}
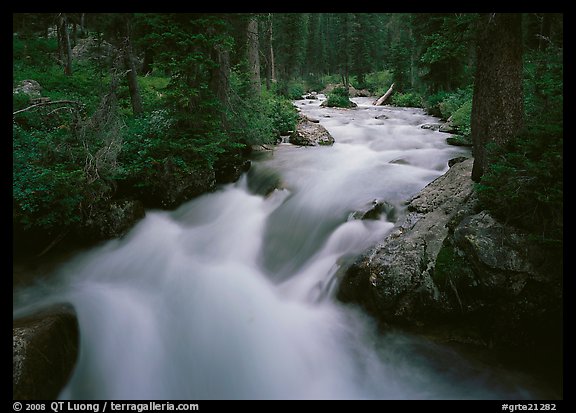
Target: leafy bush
{"points": [[455, 101], [408, 99], [524, 186], [339, 97], [432, 103], [544, 85], [461, 118], [293, 89], [258, 119]]}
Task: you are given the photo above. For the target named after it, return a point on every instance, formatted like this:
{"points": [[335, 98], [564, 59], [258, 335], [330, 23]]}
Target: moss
{"points": [[449, 266]]}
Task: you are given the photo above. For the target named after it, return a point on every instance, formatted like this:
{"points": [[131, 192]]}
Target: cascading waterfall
{"points": [[231, 296]]}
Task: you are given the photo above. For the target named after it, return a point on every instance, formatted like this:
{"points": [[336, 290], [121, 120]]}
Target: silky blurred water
{"points": [[231, 296]]}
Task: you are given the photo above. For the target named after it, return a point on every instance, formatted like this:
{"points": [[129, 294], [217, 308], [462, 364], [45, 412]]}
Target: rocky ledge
{"points": [[455, 273]]}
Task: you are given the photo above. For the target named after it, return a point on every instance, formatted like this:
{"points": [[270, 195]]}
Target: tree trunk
{"points": [[131, 74], [271, 70], [497, 106], [74, 34], [385, 96], [148, 60], [66, 46], [82, 24], [253, 49], [220, 76]]}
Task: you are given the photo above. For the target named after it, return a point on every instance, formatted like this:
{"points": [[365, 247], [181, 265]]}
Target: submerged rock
{"points": [[44, 353]]}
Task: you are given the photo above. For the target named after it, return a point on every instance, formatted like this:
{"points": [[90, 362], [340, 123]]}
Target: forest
{"points": [[160, 147], [124, 122]]}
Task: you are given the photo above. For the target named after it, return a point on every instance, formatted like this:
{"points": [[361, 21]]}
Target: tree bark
{"points": [[271, 70], [65, 46], [253, 49], [497, 105], [385, 96], [148, 60], [131, 75], [82, 24]]}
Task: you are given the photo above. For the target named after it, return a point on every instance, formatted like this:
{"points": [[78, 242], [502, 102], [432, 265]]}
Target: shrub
{"points": [[524, 186], [409, 99], [454, 101], [461, 118], [378, 82], [339, 97]]}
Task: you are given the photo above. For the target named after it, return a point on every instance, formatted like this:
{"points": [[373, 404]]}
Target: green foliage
{"points": [[339, 97], [524, 186], [293, 89], [259, 119], [34, 51], [152, 89], [379, 82], [544, 85], [454, 101], [408, 99], [457, 104], [45, 188], [461, 118], [449, 267]]}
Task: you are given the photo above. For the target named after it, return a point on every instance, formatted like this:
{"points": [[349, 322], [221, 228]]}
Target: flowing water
{"points": [[231, 296]]}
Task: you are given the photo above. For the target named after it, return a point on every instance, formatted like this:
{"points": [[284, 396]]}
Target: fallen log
{"points": [[384, 97]]}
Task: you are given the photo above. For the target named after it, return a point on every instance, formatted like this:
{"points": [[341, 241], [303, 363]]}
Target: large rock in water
{"points": [[393, 280], [456, 273], [44, 353], [310, 133]]}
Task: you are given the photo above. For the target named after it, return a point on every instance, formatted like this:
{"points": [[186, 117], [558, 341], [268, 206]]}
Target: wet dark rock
{"points": [[454, 272], [456, 160], [375, 210], [44, 353], [459, 140], [431, 126], [113, 219]]}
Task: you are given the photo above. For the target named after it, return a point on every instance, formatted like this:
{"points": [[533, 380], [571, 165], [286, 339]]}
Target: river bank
{"points": [[232, 295]]}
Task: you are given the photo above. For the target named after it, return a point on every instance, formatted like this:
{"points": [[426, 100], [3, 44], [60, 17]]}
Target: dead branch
{"points": [[56, 102]]}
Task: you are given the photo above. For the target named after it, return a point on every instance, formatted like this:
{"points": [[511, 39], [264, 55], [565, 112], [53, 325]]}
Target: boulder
{"points": [[393, 280], [230, 166], [28, 87], [112, 219], [44, 353], [431, 126], [459, 140], [354, 93], [448, 127], [309, 133], [457, 274], [93, 49], [375, 210], [170, 185]]}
